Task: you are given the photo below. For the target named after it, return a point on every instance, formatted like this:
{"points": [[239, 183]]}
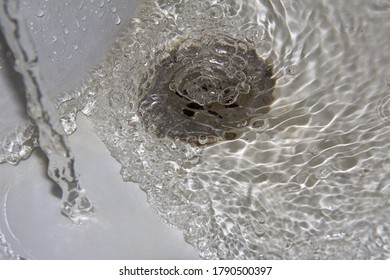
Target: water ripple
{"points": [[309, 178]]}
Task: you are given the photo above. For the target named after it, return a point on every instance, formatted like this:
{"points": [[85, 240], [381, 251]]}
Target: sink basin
{"points": [[255, 130]]}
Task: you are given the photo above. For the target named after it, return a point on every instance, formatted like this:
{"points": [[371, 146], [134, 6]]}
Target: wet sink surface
{"points": [[305, 176]]}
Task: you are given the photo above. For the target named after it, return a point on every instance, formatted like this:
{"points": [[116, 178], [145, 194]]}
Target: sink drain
{"points": [[208, 90]]}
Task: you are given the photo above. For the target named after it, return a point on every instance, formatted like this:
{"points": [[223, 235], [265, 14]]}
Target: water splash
{"points": [[19, 144]]}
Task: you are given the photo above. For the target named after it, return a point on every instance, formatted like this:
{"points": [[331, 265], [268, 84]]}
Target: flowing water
{"points": [[259, 128], [60, 160]]}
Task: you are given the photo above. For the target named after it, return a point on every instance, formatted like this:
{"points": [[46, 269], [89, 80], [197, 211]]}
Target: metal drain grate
{"points": [[206, 92]]}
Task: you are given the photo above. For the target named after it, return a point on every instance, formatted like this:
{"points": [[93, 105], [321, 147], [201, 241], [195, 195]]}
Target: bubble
{"points": [[53, 39], [202, 139], [228, 96], [242, 88], [258, 124], [292, 70], [172, 87], [253, 34], [215, 12], [224, 46], [314, 149], [238, 62], [230, 135], [19, 144], [242, 47], [69, 123], [323, 173], [117, 99]]}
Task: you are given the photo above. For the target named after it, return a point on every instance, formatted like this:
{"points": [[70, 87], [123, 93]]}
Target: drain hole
{"points": [[202, 92]]}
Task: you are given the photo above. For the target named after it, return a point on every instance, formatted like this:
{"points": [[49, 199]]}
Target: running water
{"points": [[60, 169], [297, 169]]}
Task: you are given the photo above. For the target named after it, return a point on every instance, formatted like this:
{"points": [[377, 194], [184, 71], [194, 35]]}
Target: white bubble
{"points": [[202, 139]]}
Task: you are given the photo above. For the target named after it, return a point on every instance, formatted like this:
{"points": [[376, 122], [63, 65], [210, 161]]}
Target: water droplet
{"points": [[81, 4], [101, 3], [113, 9], [117, 19], [77, 24], [66, 30], [39, 12], [53, 39]]}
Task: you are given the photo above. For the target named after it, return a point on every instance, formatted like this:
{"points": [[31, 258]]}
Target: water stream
{"points": [[60, 160], [259, 128]]}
